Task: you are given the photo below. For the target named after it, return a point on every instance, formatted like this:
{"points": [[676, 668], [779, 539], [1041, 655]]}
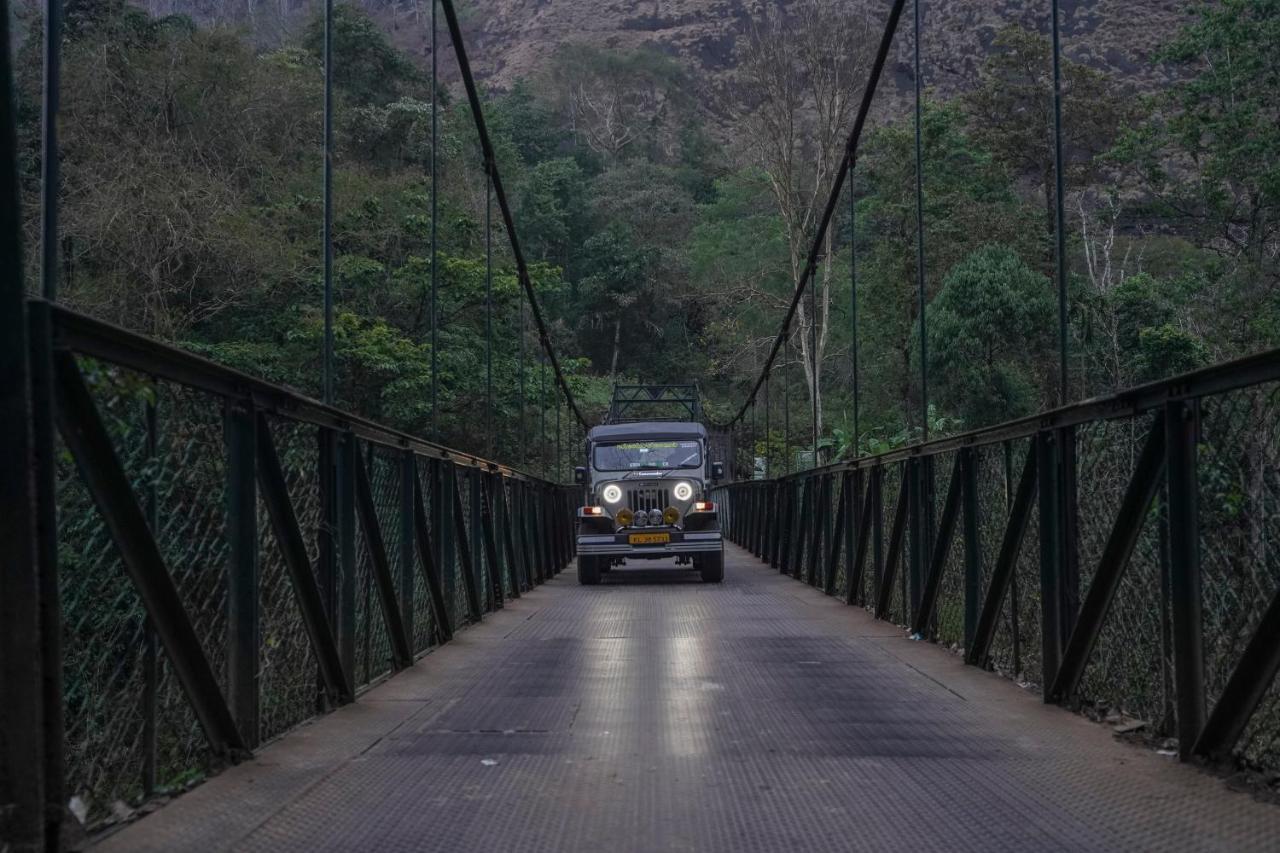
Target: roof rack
{"points": [[632, 403]]}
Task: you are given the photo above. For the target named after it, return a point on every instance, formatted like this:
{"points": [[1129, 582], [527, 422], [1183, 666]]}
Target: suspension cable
{"points": [[851, 153], [491, 167]]}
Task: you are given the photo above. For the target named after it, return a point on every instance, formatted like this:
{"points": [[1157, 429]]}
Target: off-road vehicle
{"points": [[649, 480]]}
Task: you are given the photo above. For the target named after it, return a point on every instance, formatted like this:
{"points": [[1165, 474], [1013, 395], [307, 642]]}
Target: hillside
{"points": [[515, 38]]}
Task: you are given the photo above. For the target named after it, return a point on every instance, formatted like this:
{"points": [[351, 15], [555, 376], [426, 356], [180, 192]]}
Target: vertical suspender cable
{"points": [[50, 157], [327, 228], [786, 401], [1059, 212], [813, 359], [853, 303], [488, 309], [924, 350], [435, 210], [524, 440], [767, 442], [542, 417]]}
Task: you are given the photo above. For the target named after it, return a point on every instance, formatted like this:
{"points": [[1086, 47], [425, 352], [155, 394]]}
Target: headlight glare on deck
{"points": [[611, 493], [683, 491]]}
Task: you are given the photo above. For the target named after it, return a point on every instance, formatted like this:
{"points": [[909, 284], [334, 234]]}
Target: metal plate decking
{"points": [[654, 713]]}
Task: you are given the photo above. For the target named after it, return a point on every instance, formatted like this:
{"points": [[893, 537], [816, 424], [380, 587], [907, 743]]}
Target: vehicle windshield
{"points": [[648, 455]]}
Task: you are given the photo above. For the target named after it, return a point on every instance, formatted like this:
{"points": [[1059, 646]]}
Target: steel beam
{"points": [[380, 566], [972, 543], [404, 517], [1123, 538], [896, 533], [464, 556], [293, 551], [491, 542], [243, 631], [1248, 685], [941, 550], [45, 462], [86, 436], [430, 570], [1181, 424], [853, 581], [837, 535], [1006, 563]]}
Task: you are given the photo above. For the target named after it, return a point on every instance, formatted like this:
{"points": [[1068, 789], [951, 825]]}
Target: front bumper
{"points": [[619, 544]]}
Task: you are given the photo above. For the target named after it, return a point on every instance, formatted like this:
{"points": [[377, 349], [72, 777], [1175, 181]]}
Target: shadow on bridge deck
{"points": [[655, 713]]}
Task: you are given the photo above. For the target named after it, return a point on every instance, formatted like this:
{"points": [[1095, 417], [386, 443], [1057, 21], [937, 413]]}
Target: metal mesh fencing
{"points": [[1239, 507], [289, 682]]}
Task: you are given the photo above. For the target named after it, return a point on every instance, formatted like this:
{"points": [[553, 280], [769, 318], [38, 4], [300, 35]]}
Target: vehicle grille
{"points": [[647, 499]]}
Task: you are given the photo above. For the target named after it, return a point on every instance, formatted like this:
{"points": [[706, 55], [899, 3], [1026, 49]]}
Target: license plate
{"points": [[649, 538]]}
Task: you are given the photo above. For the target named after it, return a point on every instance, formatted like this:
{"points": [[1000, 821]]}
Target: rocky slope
{"points": [[510, 39]]}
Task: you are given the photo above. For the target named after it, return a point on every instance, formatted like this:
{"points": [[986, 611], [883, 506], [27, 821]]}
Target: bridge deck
{"points": [[655, 713]]}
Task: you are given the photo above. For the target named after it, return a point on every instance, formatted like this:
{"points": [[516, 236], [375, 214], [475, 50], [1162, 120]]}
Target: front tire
{"points": [[710, 566], [589, 570]]}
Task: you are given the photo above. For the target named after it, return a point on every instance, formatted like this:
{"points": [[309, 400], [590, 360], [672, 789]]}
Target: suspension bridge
{"points": [[351, 637]]}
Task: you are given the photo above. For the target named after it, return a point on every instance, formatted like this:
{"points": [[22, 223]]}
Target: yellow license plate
{"points": [[649, 538]]}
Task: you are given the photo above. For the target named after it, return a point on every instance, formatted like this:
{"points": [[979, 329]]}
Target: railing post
{"points": [[345, 504], [972, 545], [43, 425], [877, 531], [241, 427], [22, 778], [1048, 463], [408, 472], [1070, 532], [479, 562], [854, 480], [915, 576], [1181, 434], [502, 517]]}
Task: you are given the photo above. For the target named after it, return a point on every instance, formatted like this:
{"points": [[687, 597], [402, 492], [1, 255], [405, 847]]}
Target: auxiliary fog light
{"points": [[642, 518], [612, 493], [624, 517], [670, 515], [683, 491]]}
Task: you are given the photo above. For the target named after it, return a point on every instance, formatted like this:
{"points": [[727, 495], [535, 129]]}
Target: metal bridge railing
{"points": [[225, 559], [1122, 553]]}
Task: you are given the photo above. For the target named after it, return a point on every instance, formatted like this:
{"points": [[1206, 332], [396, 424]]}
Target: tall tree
{"points": [[801, 75], [1011, 112]]}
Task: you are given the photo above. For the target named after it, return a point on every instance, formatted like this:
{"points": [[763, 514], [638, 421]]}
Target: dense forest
{"points": [[666, 231]]}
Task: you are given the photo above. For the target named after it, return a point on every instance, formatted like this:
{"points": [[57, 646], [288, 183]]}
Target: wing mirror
{"points": [[717, 471], [580, 475]]}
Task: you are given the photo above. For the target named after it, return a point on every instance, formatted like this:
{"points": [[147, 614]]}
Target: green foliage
{"points": [[193, 200], [991, 326], [366, 66]]}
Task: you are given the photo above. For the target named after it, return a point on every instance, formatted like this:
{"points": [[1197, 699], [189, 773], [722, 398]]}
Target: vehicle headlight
{"points": [[612, 493], [683, 491]]}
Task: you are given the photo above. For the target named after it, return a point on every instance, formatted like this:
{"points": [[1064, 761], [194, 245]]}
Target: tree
{"points": [[1210, 158], [620, 103], [969, 201], [617, 290], [991, 336], [1011, 113], [800, 73]]}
